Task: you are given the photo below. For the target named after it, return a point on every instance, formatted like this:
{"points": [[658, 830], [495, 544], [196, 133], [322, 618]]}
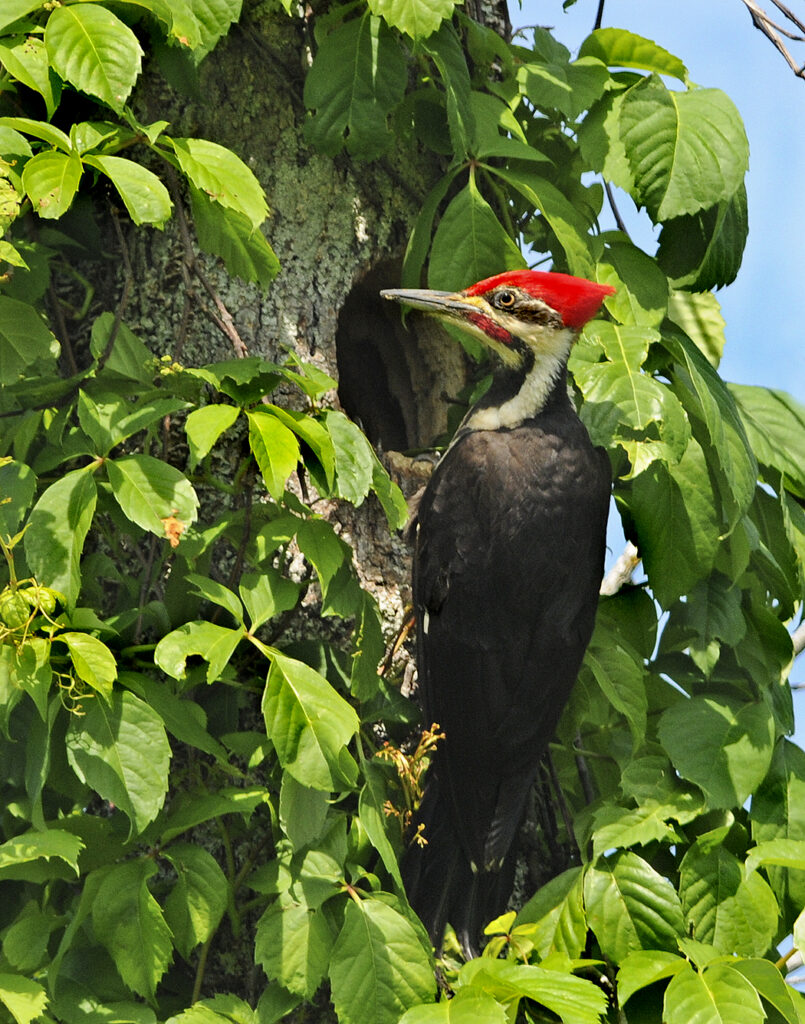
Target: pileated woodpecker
{"points": [[510, 538]]}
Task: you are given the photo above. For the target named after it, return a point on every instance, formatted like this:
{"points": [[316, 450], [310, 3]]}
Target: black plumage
{"points": [[509, 552]]}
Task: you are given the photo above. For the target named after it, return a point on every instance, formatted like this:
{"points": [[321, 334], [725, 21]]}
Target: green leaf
{"points": [[308, 723], [470, 243], [24, 339], [211, 19], [293, 945], [466, 1007], [557, 912], [228, 233], [24, 999], [600, 141], [51, 180], [215, 644], [356, 80], [120, 749], [775, 426], [152, 494], [93, 50], [699, 316], [645, 967], [687, 150], [354, 457], [570, 88], [778, 812], [562, 216], [26, 59], [17, 489], [266, 594], [275, 448], [217, 593], [575, 1000], [190, 809], [128, 356], [378, 967], [29, 847], [618, 48], [57, 529], [419, 240], [223, 176], [618, 828], [130, 924], [619, 672], [13, 10], [417, 18], [676, 521], [390, 496], [368, 648], [40, 130], [722, 746], [716, 424], [371, 810], [642, 288], [704, 250], [623, 404], [788, 853], [204, 426], [302, 811], [144, 195], [183, 718], [332, 559], [196, 903], [313, 433], [768, 982], [447, 52], [725, 904], [719, 995], [92, 660], [630, 906]]}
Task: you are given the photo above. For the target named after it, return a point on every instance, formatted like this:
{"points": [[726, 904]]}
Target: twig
{"points": [[600, 15], [621, 572], [616, 213], [58, 312], [762, 21], [190, 268]]}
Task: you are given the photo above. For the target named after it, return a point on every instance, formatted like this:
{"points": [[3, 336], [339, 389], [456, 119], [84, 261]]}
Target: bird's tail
{"points": [[441, 885]]}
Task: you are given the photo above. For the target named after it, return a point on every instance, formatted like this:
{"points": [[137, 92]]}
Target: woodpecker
{"points": [[509, 553]]}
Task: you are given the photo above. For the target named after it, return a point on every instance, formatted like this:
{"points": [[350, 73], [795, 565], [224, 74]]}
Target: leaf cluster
{"points": [[177, 770]]}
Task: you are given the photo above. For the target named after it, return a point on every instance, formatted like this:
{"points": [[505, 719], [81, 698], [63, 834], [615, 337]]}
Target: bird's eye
{"points": [[505, 300]]}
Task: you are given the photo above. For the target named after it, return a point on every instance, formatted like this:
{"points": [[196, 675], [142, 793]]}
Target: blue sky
{"points": [[765, 307]]}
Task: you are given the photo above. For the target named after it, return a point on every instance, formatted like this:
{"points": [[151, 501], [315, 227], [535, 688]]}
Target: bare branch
{"points": [[772, 31]]}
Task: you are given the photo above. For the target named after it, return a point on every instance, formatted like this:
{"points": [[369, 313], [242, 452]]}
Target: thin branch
{"points": [[762, 22], [600, 15], [191, 268], [616, 213]]}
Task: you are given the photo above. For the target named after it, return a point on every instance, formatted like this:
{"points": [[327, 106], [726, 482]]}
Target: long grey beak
{"points": [[444, 303]]}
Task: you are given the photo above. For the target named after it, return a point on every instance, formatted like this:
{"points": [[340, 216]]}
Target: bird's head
{"points": [[521, 315]]}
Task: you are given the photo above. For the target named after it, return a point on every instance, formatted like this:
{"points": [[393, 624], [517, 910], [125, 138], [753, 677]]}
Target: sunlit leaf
{"points": [[120, 749], [357, 78], [131, 925], [93, 50]]}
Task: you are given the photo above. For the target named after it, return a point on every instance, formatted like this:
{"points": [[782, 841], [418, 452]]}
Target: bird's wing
{"points": [[507, 572]]}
